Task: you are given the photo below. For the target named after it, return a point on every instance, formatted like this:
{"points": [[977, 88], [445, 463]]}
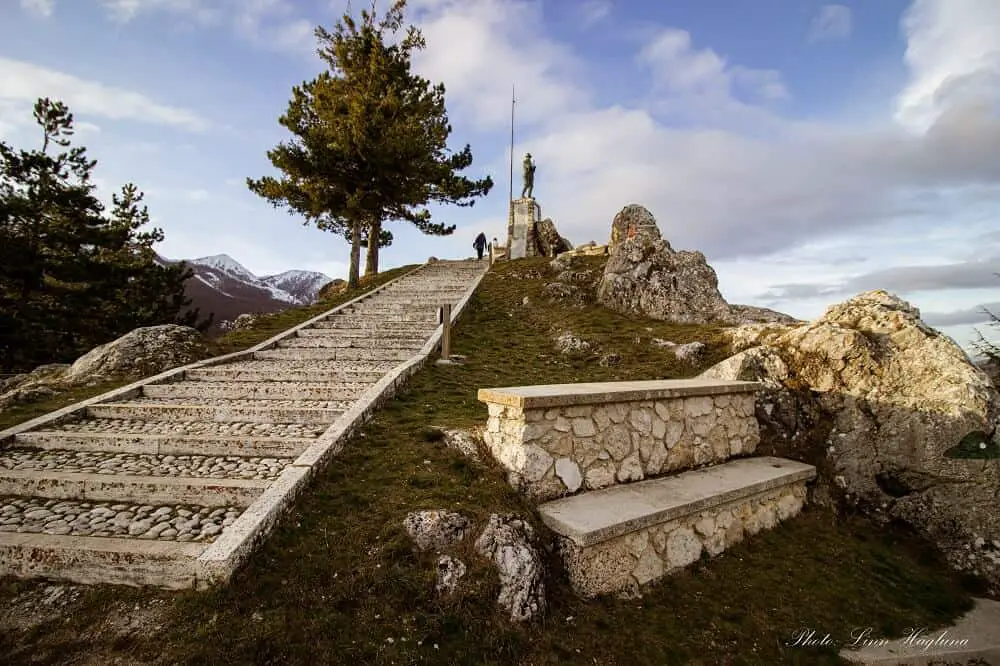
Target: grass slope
{"points": [[338, 581]]}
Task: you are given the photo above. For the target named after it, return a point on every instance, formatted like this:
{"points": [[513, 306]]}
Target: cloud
{"points": [[833, 22], [959, 275], [25, 82], [594, 11], [953, 55], [480, 47], [41, 8], [272, 24], [976, 315]]}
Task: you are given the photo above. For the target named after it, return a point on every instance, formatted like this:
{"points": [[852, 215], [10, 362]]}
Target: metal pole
{"points": [[510, 190], [446, 331]]}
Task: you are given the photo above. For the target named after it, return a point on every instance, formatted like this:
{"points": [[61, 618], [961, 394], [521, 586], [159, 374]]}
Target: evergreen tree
{"points": [[370, 140], [70, 277]]}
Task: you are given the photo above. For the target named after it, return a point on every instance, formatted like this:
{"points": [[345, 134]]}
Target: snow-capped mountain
{"points": [[303, 286], [223, 286]]}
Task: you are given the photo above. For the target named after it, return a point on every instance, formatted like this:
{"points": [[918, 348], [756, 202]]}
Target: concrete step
{"points": [[96, 560], [351, 354], [373, 334], [244, 411], [342, 322], [225, 373], [338, 342], [256, 390], [625, 536], [165, 444], [130, 488]]}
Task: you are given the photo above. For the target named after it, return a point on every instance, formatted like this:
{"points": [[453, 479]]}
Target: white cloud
{"points": [[953, 54], [25, 82], [594, 11], [744, 181], [41, 8], [479, 48], [272, 24], [833, 22]]}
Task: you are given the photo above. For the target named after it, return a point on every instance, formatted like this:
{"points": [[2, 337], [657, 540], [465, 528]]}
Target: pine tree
{"points": [[70, 277], [370, 140]]}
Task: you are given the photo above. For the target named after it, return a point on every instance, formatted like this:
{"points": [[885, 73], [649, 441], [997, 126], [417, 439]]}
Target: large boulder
{"points": [[549, 242], [646, 277], [632, 221], [883, 404], [139, 353]]}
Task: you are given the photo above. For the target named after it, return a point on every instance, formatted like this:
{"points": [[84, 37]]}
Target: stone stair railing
{"points": [[647, 469], [174, 480]]}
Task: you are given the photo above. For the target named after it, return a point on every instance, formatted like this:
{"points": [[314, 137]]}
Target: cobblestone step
{"points": [[245, 411], [248, 374], [130, 441], [337, 342], [351, 354], [130, 488], [142, 464], [127, 520], [388, 315], [257, 390]]}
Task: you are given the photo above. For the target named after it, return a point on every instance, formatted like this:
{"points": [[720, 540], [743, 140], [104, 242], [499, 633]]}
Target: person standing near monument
{"points": [[480, 245], [529, 177]]}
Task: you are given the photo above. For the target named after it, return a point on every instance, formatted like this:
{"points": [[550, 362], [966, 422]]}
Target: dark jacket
{"points": [[480, 242]]}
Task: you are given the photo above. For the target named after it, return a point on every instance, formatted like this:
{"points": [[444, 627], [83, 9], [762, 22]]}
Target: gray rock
{"points": [[548, 240], [692, 352], [567, 343], [645, 276], [435, 530], [632, 221], [507, 542], [140, 353], [449, 572], [878, 399]]}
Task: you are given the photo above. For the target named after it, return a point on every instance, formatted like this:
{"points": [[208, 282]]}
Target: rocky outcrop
{"points": [[646, 277], [506, 541], [649, 278], [881, 403], [331, 289], [632, 222], [435, 530], [139, 353], [549, 242], [450, 571]]}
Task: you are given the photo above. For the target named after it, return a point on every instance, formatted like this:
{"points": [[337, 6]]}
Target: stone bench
{"points": [[562, 438], [619, 538]]}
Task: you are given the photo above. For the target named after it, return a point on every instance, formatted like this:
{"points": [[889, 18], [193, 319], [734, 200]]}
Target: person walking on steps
{"points": [[480, 245]]}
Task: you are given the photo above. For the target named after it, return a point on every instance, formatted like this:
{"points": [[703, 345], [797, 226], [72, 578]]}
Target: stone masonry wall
{"points": [[626, 562], [553, 452]]}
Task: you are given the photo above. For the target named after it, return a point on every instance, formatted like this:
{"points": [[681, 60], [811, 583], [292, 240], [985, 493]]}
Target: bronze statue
{"points": [[529, 177]]}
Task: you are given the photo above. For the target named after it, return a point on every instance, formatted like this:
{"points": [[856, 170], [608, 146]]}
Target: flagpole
{"points": [[510, 181]]}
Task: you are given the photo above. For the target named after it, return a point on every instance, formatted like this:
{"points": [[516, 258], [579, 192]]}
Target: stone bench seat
{"points": [[619, 538], [563, 438]]}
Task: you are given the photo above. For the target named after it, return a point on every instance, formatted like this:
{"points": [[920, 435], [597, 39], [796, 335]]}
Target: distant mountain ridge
{"points": [[223, 286]]}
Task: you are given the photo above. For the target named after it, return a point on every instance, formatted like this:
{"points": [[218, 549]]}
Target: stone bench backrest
{"points": [[560, 439]]}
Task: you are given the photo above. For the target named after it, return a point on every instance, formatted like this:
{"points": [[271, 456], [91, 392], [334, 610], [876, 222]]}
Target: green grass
{"points": [[266, 327], [338, 577]]}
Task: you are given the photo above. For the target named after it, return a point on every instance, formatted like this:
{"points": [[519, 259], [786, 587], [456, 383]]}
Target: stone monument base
{"points": [[525, 213]]}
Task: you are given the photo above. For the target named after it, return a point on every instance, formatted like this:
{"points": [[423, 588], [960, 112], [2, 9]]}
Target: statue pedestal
{"points": [[524, 214]]}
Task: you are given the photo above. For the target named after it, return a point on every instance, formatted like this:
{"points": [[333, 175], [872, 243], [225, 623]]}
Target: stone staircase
{"points": [[172, 481]]}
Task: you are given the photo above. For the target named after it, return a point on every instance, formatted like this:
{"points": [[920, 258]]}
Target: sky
{"points": [[810, 150]]}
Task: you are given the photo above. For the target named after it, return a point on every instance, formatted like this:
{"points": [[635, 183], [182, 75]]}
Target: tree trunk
{"points": [[371, 258], [352, 272]]}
